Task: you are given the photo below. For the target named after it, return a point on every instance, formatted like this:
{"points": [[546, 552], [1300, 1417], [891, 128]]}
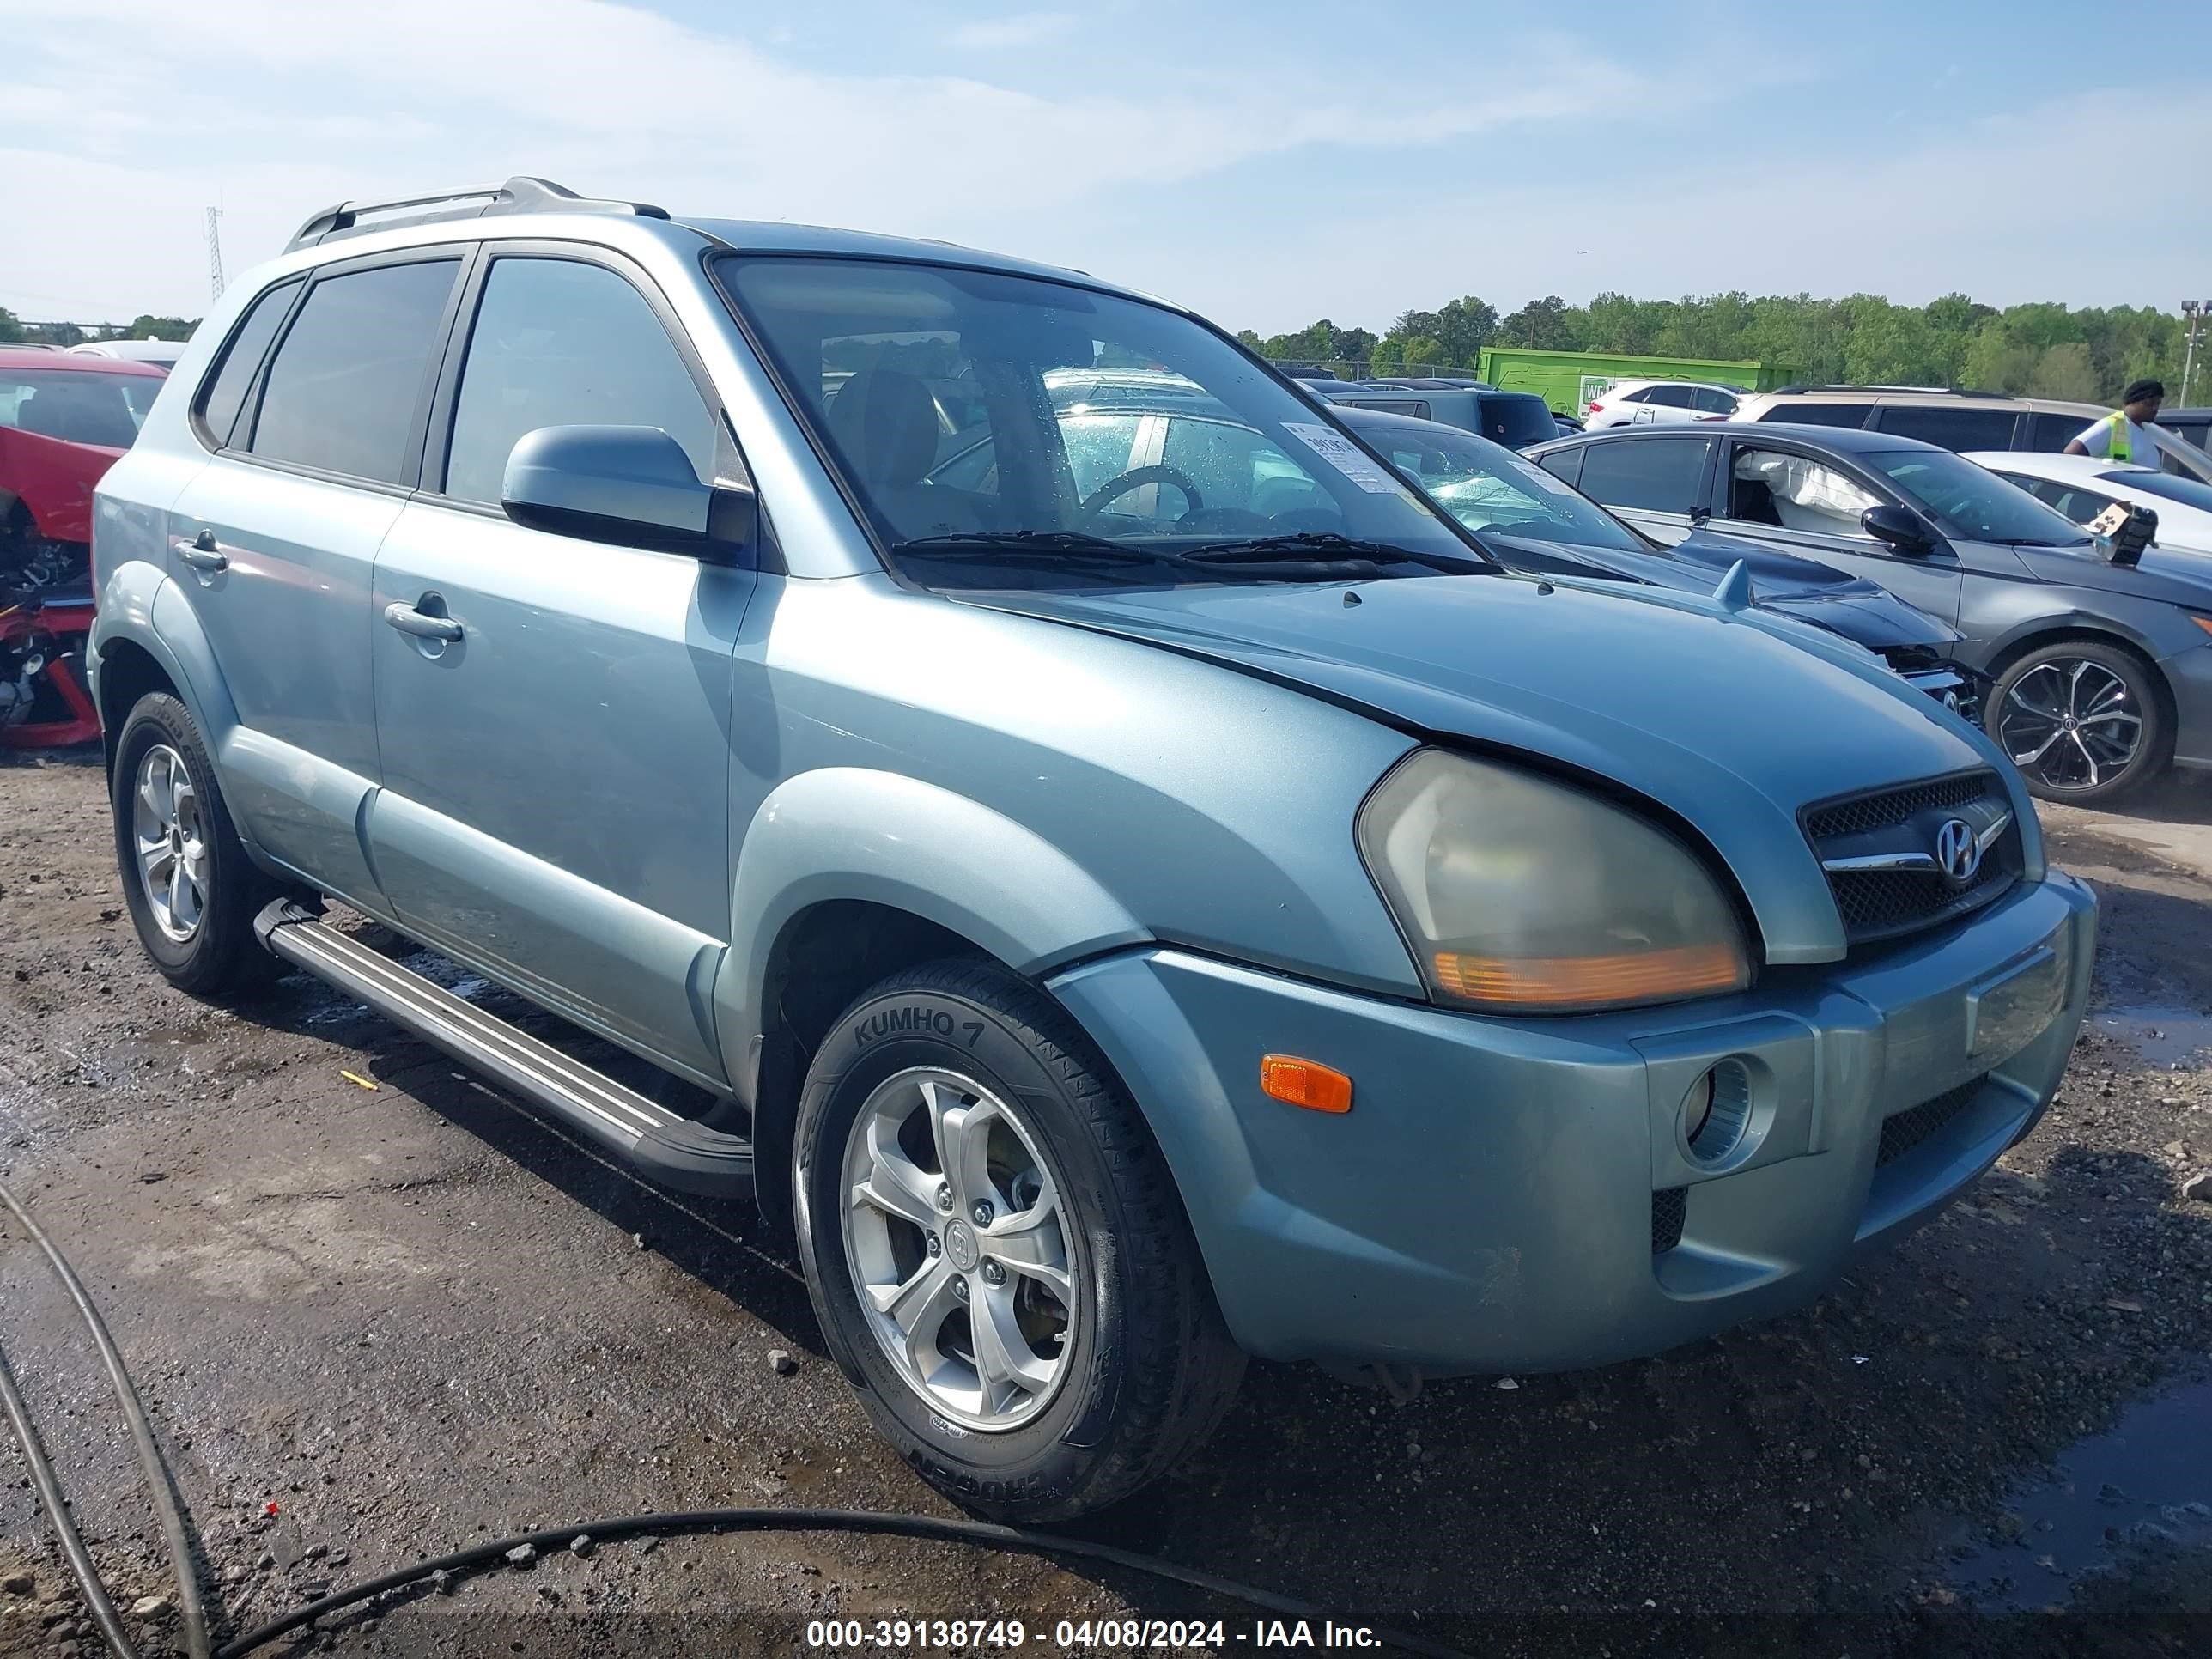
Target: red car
{"points": [[64, 421]]}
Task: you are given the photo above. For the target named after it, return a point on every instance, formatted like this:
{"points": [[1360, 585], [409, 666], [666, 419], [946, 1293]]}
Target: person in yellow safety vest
{"points": [[2121, 435]]}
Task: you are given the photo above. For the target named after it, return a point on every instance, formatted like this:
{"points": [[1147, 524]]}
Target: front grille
{"points": [[1668, 1208], [1883, 904], [1902, 1131], [1878, 903], [1893, 806]]}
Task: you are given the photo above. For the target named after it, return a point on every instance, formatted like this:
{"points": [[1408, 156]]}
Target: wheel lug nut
{"points": [[945, 1197], [983, 1213], [994, 1273], [960, 1289], [936, 1245]]}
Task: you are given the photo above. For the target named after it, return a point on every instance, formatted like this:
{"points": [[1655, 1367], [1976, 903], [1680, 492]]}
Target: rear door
{"points": [[1808, 503], [317, 446], [1657, 480], [1666, 403], [554, 808]]}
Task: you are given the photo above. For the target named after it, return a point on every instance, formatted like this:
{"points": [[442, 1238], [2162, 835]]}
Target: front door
{"points": [[1804, 505], [556, 773]]}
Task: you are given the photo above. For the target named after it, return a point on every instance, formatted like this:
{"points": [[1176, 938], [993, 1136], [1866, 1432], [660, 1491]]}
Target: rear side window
{"points": [[1953, 428], [1517, 420], [226, 392], [1805, 414], [1418, 408], [560, 343], [1669, 397], [348, 380], [1657, 474]]}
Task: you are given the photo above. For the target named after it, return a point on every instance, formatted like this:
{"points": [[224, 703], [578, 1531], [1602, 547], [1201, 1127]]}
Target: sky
{"points": [[1267, 161]]}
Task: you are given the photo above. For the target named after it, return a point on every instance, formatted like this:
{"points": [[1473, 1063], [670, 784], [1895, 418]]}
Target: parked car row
{"points": [[1135, 874]]}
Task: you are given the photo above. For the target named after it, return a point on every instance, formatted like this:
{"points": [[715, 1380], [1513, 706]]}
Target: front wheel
{"points": [[997, 1254], [2082, 721]]}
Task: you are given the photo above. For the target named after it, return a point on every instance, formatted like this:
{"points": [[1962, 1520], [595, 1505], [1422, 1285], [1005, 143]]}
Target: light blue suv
{"points": [[1211, 910]]}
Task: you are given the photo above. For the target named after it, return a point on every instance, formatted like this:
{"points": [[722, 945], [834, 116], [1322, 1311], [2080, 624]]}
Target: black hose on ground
{"points": [[190, 1609], [980, 1533], [50, 1493]]}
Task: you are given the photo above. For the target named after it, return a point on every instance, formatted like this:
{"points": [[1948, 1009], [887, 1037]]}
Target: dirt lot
{"points": [[408, 1316]]}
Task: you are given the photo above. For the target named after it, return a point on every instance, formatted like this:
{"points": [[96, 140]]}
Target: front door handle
{"points": [[408, 620], [202, 552]]}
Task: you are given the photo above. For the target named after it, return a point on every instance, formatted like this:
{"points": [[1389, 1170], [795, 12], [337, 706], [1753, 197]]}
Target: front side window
{"points": [[1653, 475], [1487, 487], [1794, 492], [1046, 483], [1969, 502], [350, 377], [77, 406], [2078, 504], [226, 392], [560, 343], [1710, 400]]}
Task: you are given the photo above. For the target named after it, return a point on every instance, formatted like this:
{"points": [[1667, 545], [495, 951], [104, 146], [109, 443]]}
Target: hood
{"points": [[1730, 722], [54, 478], [2173, 574], [1850, 605]]}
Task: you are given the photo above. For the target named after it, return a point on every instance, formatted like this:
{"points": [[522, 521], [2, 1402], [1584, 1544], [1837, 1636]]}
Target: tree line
{"points": [[144, 326], [2041, 350]]}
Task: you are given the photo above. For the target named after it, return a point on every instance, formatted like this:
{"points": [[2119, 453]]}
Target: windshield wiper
{"points": [[1064, 546], [1328, 546]]}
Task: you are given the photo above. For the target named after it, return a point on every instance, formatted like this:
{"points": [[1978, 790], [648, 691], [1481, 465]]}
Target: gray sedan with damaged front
{"points": [[2102, 669], [1113, 936]]}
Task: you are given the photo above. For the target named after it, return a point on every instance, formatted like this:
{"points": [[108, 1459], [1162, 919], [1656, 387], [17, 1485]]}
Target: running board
{"points": [[672, 1151]]}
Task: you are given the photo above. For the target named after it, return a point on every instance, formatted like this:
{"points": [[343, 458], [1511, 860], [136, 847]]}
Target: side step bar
{"points": [[672, 1151]]}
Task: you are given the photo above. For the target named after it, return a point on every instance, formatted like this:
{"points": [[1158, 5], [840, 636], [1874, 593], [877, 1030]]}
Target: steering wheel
{"points": [[1226, 521], [1136, 478]]}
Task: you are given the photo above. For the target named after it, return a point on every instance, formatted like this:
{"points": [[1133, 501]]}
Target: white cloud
{"points": [[124, 117], [1026, 29]]}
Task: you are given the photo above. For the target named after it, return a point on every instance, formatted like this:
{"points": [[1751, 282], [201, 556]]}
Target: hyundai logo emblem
{"points": [[1957, 854]]}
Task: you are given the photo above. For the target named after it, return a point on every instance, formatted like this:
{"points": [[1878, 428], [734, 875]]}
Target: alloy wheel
{"points": [[2070, 723], [958, 1243], [170, 837]]}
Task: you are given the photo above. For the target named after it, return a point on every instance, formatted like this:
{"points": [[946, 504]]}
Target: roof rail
{"points": [[1923, 391], [520, 194]]}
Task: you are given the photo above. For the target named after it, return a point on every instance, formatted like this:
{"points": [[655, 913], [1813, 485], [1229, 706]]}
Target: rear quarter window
{"points": [[225, 391]]}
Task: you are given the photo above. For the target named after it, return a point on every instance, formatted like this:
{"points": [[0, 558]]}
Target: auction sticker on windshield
{"points": [[1345, 456]]}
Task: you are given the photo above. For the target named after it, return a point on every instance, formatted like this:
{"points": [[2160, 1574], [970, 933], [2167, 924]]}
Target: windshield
{"points": [[1969, 502], [1008, 430], [2187, 491], [79, 406], [1486, 486]]}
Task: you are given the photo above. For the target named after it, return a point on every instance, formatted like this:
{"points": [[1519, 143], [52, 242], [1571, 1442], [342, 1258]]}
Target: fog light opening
{"points": [[1716, 1111]]}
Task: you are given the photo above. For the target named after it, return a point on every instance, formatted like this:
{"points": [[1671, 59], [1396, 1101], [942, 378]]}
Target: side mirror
{"points": [[1902, 528], [628, 484]]}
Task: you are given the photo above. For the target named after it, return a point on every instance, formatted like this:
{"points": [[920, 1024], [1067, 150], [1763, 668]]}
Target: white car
{"points": [[1639, 403], [158, 354], [2083, 486]]}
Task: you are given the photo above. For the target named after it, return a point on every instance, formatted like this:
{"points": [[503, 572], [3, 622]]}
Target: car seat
{"points": [[885, 423]]}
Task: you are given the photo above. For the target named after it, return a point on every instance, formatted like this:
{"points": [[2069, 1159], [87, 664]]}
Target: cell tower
{"points": [[214, 252]]}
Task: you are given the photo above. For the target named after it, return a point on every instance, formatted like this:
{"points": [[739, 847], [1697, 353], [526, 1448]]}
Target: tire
{"points": [[2108, 693], [1141, 1366], [216, 953]]}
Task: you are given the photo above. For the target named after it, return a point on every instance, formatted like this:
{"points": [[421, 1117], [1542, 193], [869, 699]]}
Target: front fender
{"points": [[851, 833]]}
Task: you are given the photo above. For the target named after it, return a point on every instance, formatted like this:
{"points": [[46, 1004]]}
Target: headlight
{"points": [[1519, 893]]}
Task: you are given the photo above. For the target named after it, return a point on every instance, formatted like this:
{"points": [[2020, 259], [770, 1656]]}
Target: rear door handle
{"points": [[408, 620], [202, 552]]}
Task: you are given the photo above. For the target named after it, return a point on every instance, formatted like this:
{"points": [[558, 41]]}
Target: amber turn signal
{"points": [[1306, 1083], [1554, 982]]}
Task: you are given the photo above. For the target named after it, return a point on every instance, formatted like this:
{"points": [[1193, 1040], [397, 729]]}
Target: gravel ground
{"points": [[375, 1323]]}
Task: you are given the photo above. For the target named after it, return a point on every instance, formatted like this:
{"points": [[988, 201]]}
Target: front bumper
{"points": [[1498, 1197]]}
